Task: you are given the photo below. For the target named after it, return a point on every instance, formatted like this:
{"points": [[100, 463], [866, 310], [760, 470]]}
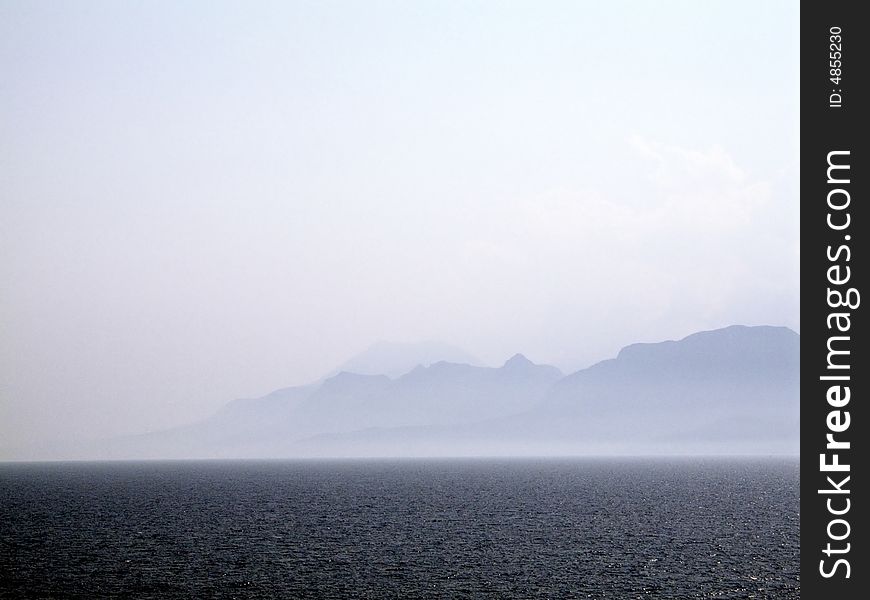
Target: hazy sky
{"points": [[203, 200]]}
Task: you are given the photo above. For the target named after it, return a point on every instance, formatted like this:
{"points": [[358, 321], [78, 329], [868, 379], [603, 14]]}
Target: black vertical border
{"points": [[824, 129]]}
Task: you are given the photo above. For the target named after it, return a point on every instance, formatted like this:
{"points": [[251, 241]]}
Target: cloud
{"points": [[675, 194], [678, 167], [683, 241]]}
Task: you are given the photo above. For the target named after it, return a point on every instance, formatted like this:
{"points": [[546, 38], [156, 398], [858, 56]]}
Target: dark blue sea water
{"points": [[578, 528]]}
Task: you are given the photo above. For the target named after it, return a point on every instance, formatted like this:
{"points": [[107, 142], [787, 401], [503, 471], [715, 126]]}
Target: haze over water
{"points": [[205, 201]]}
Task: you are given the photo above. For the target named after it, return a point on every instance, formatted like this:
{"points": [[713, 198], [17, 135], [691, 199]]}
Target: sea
{"points": [[614, 528]]}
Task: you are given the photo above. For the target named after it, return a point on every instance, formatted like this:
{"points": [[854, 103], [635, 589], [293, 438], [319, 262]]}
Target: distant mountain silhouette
{"points": [[737, 384], [442, 394], [394, 359], [731, 390]]}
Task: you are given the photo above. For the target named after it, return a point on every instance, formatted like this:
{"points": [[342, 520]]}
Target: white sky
{"points": [[201, 201]]}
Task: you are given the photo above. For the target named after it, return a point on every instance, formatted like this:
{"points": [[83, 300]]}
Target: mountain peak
{"points": [[517, 361], [395, 359]]}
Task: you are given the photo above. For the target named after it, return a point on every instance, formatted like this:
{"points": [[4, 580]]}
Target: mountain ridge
{"points": [[729, 390]]}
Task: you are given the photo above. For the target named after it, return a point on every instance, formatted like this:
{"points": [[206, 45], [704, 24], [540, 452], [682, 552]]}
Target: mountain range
{"points": [[728, 391]]}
